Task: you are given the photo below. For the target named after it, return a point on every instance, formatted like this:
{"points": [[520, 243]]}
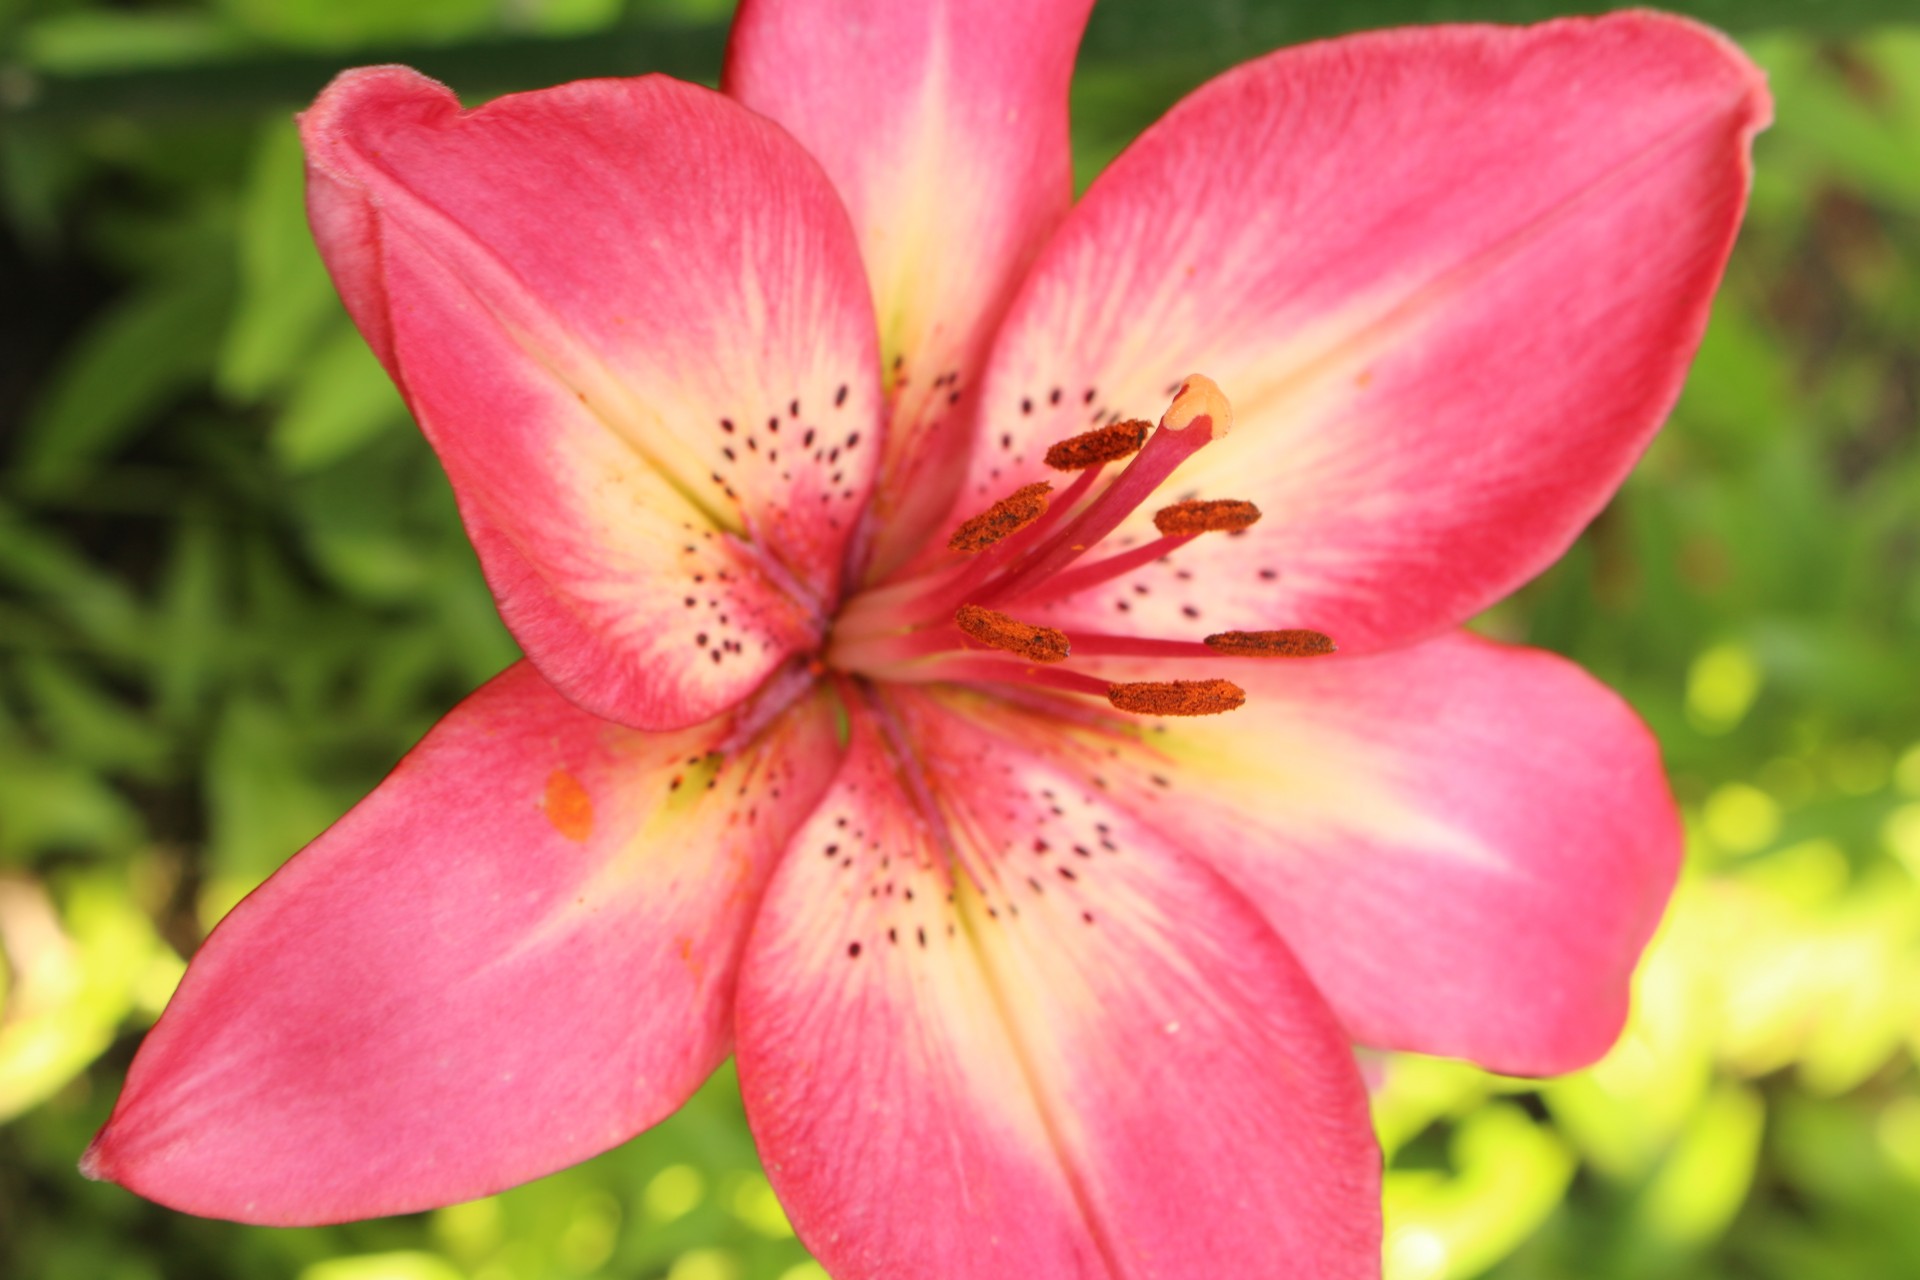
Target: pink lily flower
{"points": [[846, 745]]}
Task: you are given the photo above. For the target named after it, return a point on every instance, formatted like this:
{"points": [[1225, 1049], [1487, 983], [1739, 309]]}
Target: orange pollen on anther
{"points": [[1176, 697], [1003, 519], [1110, 443], [1218, 515], [1298, 643], [998, 631]]}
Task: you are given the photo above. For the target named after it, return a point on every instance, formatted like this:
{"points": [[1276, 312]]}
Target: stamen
{"points": [[1219, 515], [1298, 643], [1004, 518], [1078, 579], [957, 587], [1165, 450], [1024, 547], [998, 631], [1110, 443], [1176, 697], [994, 670]]}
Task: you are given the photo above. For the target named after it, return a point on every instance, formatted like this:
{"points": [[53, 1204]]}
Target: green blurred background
{"points": [[233, 590]]}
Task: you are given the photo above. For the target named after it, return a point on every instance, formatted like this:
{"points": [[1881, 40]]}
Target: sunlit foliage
{"points": [[233, 590]]}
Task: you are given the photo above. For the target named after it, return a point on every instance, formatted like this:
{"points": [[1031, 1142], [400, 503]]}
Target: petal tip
{"points": [[358, 91], [1755, 100], [390, 78], [93, 1161]]}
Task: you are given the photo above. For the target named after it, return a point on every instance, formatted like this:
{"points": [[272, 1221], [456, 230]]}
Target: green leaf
{"points": [[1866, 124], [285, 298], [1177, 40], [51, 804], [1132, 29], [1704, 1181], [96, 605], [1511, 1175], [147, 350], [262, 798], [98, 39], [341, 400], [346, 24], [190, 641], [88, 724]]}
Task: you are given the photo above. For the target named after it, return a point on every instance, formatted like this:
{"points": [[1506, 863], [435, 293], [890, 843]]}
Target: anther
{"points": [[1103, 444], [1221, 515], [1003, 519], [998, 631], [1272, 644], [1176, 697]]}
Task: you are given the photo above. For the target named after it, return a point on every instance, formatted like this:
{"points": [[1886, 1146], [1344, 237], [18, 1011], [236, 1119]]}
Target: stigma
{"points": [[963, 621]]}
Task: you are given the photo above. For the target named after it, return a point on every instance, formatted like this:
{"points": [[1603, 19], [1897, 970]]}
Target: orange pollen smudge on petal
{"points": [[997, 630], [1297, 643], [568, 806], [1176, 697], [1110, 443], [1003, 519], [1218, 515]]}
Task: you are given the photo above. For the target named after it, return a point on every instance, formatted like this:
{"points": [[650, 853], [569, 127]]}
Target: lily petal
{"points": [[1467, 845], [1037, 1075], [631, 318], [517, 952], [1451, 279], [944, 126]]}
